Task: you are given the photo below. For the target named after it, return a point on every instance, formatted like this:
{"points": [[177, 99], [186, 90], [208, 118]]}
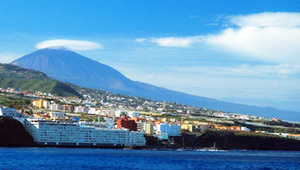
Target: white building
{"points": [[133, 114], [57, 115], [170, 129], [109, 122], [245, 129], [81, 109], [46, 104], [72, 134], [94, 111], [148, 128], [160, 109], [119, 113], [55, 106], [7, 111]]}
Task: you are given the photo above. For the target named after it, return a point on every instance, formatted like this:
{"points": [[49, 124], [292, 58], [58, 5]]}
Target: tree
{"points": [[30, 112]]}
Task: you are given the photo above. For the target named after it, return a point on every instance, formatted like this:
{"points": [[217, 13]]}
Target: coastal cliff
{"points": [[237, 141], [12, 133]]}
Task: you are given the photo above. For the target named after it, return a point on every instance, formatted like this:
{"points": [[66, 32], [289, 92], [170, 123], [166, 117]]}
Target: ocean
{"points": [[88, 158]]}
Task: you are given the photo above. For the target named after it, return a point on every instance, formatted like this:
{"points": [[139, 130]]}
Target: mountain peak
{"points": [[57, 48], [65, 65], [68, 66]]}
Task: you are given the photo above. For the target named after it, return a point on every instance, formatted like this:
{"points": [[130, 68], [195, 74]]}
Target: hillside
{"points": [[68, 66], [30, 80]]}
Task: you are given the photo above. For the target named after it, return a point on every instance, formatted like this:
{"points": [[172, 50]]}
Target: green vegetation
{"points": [[14, 101], [25, 79], [53, 87], [87, 117], [282, 123], [12, 133], [200, 119], [16, 72], [281, 128]]}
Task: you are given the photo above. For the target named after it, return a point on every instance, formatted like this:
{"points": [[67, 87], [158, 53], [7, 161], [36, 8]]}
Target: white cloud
{"points": [[72, 44], [280, 45], [271, 37], [141, 40], [8, 57], [275, 71], [243, 70], [261, 85], [267, 19], [173, 41], [179, 42]]}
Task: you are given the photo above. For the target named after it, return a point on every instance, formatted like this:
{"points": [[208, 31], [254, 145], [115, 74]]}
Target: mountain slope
{"points": [[25, 79], [66, 65]]}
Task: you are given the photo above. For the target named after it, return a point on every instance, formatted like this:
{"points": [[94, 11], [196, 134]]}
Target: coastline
{"points": [[13, 134], [149, 148]]}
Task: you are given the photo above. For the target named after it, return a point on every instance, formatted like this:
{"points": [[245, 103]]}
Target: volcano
{"points": [[68, 66]]}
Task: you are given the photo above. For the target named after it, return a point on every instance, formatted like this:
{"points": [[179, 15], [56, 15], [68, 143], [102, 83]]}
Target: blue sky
{"points": [[239, 51]]}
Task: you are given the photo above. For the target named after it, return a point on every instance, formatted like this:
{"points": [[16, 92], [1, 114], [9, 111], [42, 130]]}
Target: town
{"points": [[101, 118]]}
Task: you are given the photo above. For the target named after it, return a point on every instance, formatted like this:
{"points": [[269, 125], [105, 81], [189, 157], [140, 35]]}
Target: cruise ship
{"points": [[49, 133]]}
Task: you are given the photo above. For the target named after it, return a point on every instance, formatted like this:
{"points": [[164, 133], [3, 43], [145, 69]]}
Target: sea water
{"points": [[83, 158]]}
